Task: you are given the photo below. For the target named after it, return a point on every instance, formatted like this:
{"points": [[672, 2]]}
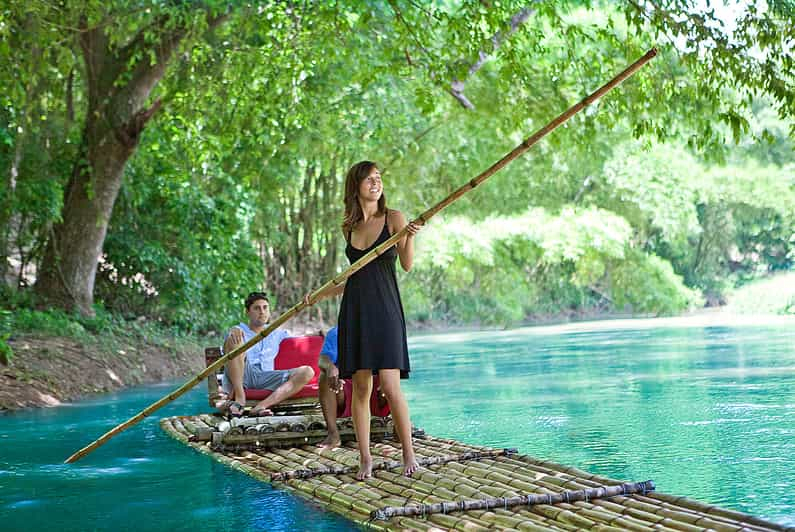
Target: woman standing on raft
{"points": [[372, 327]]}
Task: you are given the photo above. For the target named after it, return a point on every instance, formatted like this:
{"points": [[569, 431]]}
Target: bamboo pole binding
{"points": [[373, 254], [389, 464], [530, 499]]}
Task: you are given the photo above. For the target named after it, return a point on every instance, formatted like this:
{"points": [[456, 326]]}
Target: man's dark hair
{"points": [[254, 296]]}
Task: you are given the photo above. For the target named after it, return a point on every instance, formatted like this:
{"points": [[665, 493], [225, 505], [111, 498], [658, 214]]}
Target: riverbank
{"points": [[67, 359], [49, 369]]}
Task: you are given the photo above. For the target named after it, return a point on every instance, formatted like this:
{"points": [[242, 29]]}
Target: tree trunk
{"points": [[69, 267], [8, 216], [116, 116]]}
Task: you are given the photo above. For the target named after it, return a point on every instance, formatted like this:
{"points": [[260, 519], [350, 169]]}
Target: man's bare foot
{"points": [[331, 442], [365, 469], [410, 465], [220, 400]]}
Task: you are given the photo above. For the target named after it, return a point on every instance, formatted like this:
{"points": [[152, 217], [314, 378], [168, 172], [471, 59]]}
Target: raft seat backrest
{"points": [[293, 352]]}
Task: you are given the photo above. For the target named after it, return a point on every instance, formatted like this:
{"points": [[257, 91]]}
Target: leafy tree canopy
{"points": [[260, 108]]}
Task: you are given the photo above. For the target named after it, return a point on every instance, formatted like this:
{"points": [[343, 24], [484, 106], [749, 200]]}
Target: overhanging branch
{"points": [[457, 86]]}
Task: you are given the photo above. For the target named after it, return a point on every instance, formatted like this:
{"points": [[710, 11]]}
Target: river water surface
{"points": [[705, 409]]}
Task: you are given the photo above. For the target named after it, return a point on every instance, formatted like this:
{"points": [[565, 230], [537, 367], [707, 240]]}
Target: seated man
{"points": [[332, 396], [254, 368]]}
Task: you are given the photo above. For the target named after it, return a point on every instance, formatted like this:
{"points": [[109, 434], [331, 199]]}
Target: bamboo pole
{"points": [[388, 464], [509, 502], [369, 257]]}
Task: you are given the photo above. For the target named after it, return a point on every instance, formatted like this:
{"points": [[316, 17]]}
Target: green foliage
{"points": [[51, 322], [655, 188], [18, 314], [180, 253], [236, 182], [771, 295], [717, 225], [6, 353], [648, 284], [506, 268]]}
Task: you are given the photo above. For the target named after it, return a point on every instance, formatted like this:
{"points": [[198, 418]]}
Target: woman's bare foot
{"points": [[365, 469], [332, 441], [410, 464]]}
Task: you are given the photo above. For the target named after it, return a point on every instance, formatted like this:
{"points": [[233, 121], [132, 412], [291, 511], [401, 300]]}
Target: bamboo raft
{"points": [[458, 487]]}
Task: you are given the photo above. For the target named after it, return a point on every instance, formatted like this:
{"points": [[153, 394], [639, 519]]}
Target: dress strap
{"points": [[386, 224]]}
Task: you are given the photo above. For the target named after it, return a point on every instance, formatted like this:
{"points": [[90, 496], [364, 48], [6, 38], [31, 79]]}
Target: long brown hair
{"points": [[353, 209]]}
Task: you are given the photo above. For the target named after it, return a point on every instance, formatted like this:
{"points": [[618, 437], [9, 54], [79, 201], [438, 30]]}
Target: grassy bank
{"points": [[774, 295], [104, 331]]}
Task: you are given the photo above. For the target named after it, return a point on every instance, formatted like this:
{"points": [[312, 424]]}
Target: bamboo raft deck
{"points": [[266, 448]]}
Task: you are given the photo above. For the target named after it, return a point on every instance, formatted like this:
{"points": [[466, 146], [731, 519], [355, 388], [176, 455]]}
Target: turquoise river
{"points": [[704, 407]]}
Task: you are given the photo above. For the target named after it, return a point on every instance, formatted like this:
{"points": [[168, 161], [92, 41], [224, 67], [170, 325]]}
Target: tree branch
{"points": [[144, 77], [403, 21], [128, 134], [94, 44], [457, 86]]}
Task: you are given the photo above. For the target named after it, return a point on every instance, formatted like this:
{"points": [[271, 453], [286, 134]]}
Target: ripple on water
{"points": [[207, 511], [25, 503], [138, 460], [552, 421], [718, 421], [100, 472], [743, 408]]}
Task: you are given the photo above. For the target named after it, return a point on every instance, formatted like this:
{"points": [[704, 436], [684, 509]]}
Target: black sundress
{"points": [[371, 325]]}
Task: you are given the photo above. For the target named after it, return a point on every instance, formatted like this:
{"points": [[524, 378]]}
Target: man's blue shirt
{"points": [[330, 345]]}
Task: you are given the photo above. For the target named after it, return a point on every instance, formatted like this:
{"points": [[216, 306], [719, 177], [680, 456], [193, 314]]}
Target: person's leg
{"points": [[235, 370], [299, 378], [360, 408], [329, 402], [390, 387]]}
